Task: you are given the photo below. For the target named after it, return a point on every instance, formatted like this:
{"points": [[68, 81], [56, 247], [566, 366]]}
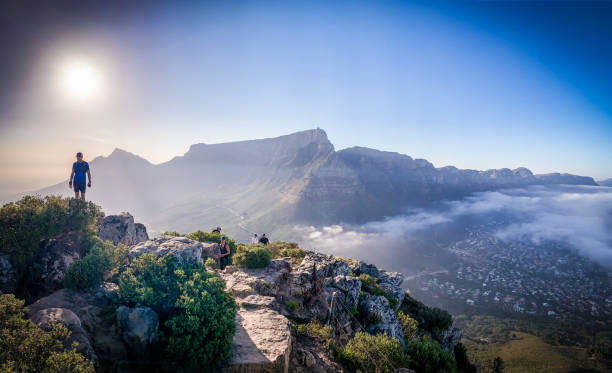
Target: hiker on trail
{"points": [[254, 239], [79, 169], [264, 240], [217, 230], [225, 252]]}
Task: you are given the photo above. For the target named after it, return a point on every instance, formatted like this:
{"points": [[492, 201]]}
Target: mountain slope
{"points": [[270, 183]]}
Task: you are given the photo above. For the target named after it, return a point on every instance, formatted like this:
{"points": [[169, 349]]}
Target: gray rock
{"points": [[8, 277], [377, 307], [350, 286], [121, 228], [306, 281], [450, 338], [48, 316], [391, 282], [139, 326], [182, 248]]}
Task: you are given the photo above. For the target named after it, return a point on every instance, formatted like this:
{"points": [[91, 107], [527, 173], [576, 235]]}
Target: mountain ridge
{"points": [[296, 178]]}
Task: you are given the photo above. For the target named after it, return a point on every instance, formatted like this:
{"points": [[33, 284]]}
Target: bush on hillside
{"points": [[151, 280], [91, 270], [196, 313], [171, 233], [24, 347], [202, 236], [318, 331], [212, 263], [410, 326], [252, 256], [432, 319], [429, 356], [24, 223], [281, 249], [370, 285], [373, 353], [199, 336]]}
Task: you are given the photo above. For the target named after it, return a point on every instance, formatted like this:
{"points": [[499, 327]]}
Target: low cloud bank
{"points": [[578, 216]]}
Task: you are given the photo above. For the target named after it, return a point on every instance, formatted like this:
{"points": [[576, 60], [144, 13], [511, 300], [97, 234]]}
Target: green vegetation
{"points": [[23, 224], [171, 233], [316, 330], [528, 345], [432, 319], [281, 249], [255, 256], [24, 347], [410, 326], [211, 263], [98, 264], [196, 313], [428, 356], [374, 353], [292, 305]]}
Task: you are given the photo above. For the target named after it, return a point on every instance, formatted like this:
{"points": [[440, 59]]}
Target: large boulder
{"points": [[183, 249], [308, 277], [382, 318], [350, 286], [121, 228], [95, 309], [262, 342], [48, 316], [139, 325], [267, 281]]}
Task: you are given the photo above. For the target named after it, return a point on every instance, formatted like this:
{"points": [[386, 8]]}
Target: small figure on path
{"points": [[224, 248], [217, 230], [264, 240], [255, 239]]}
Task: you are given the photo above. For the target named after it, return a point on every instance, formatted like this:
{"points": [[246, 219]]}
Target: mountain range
{"points": [[270, 184]]}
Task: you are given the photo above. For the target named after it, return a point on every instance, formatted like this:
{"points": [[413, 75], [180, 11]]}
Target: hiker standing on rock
{"points": [[79, 169], [225, 252]]}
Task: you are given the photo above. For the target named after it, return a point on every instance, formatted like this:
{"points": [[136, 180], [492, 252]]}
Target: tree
{"points": [[498, 365]]}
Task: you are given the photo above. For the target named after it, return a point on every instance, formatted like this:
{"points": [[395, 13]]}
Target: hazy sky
{"points": [[477, 85]]}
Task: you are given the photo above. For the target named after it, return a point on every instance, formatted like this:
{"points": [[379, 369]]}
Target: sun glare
{"points": [[80, 81]]}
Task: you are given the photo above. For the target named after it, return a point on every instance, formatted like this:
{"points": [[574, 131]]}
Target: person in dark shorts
{"points": [[224, 248], [264, 240], [79, 169]]}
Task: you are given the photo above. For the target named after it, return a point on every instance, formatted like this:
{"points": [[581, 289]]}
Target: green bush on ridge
{"points": [[23, 224], [255, 256], [196, 313], [374, 353], [92, 268], [24, 347]]}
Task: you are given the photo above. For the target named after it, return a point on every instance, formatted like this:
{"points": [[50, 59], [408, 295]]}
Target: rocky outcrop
{"points": [[121, 228], [139, 326], [183, 249], [8, 276], [45, 318], [93, 311], [450, 338], [381, 318], [262, 342]]}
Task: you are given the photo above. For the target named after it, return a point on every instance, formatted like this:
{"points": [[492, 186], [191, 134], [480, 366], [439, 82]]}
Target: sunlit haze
{"points": [[475, 85]]}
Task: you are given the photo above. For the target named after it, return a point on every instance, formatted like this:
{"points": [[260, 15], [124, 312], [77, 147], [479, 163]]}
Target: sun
{"points": [[80, 81]]}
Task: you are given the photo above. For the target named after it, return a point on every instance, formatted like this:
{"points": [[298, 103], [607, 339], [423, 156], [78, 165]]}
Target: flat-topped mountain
{"points": [[263, 184]]}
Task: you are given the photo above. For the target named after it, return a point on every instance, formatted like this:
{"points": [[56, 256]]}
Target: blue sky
{"points": [[477, 85]]}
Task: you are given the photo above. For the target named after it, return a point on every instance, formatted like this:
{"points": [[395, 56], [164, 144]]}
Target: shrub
{"points": [[316, 330], [199, 337], [432, 319], [429, 356], [196, 313], [212, 263], [281, 249], [252, 256], [151, 280], [409, 325], [24, 347], [373, 353], [92, 268], [171, 233], [292, 305], [24, 223], [202, 236], [463, 362], [370, 285]]}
